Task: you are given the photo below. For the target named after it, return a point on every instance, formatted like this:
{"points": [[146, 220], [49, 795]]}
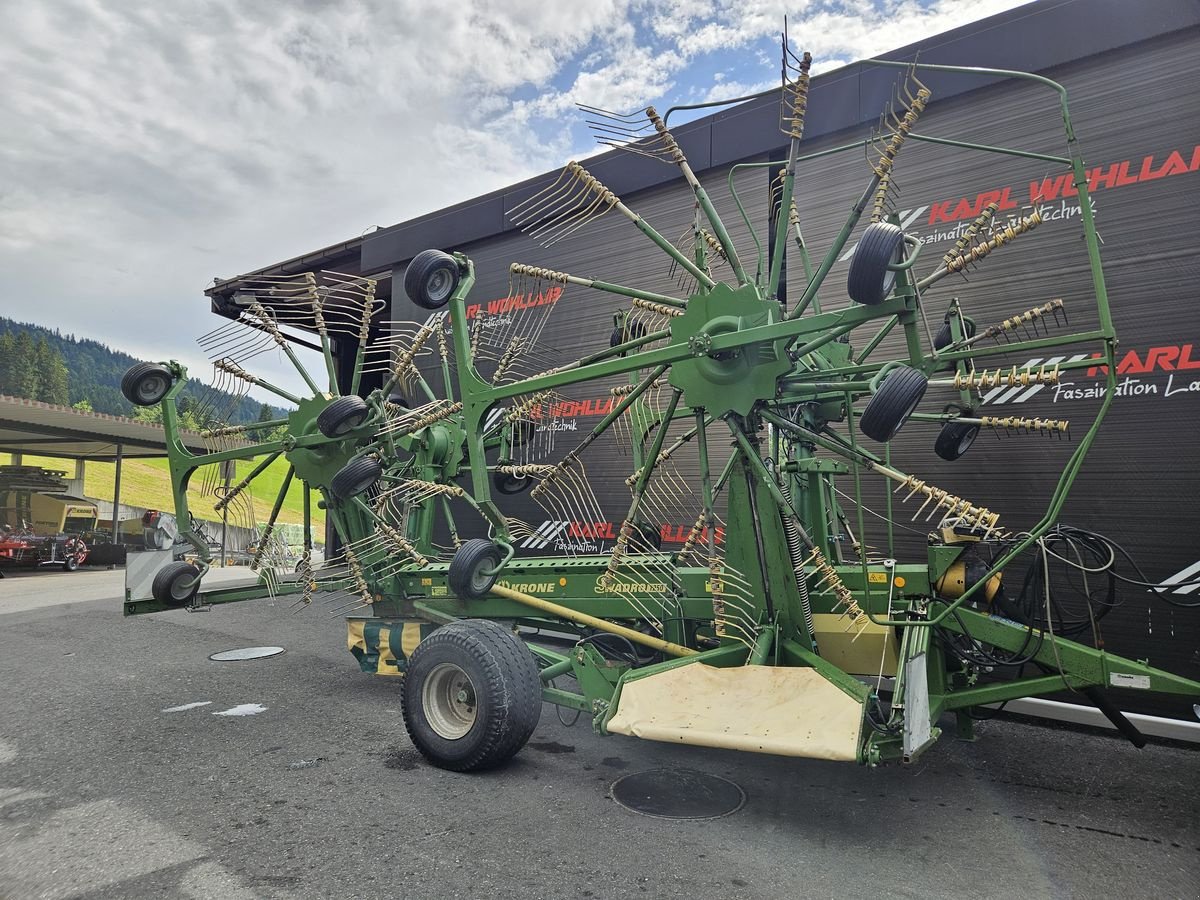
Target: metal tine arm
{"points": [[574, 183]]}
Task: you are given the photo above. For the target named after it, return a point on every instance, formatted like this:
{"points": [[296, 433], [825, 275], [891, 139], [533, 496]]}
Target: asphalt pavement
{"points": [[133, 766]]}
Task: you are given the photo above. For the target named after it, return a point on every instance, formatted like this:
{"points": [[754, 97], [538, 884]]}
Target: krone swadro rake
{"points": [[774, 627]]}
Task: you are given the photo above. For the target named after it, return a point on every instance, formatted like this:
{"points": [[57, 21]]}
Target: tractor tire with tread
{"points": [[171, 585], [431, 279], [342, 416], [355, 477], [509, 484], [472, 696], [944, 338], [955, 439], [870, 281], [466, 573], [891, 405], [145, 384]]}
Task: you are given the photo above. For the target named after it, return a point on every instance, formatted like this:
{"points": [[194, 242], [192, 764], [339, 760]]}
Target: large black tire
{"points": [[466, 573], [342, 416], [355, 477], [175, 584], [869, 281], [509, 484], [431, 278], [145, 384], [891, 405], [955, 439], [472, 696]]}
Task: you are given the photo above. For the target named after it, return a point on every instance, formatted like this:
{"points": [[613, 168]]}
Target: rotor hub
{"points": [[736, 378]]}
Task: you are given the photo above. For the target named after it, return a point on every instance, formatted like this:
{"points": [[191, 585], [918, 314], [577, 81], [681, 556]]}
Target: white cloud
{"points": [[151, 146]]}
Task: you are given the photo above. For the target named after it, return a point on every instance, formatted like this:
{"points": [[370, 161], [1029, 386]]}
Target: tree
{"points": [[23, 378], [265, 413], [8, 351], [52, 373], [82, 405]]}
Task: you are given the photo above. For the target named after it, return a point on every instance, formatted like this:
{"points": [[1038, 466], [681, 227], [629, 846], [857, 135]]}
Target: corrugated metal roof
{"points": [[44, 429]]}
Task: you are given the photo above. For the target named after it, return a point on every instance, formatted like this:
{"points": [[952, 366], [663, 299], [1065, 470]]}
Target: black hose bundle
{"points": [[1066, 600]]}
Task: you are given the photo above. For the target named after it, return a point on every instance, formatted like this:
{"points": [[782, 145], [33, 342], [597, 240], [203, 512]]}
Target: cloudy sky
{"points": [[150, 146]]}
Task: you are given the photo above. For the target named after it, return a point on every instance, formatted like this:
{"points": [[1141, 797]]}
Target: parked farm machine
{"points": [[40, 524], [764, 421]]}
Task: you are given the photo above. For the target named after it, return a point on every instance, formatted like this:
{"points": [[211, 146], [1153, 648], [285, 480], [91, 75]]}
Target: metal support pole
{"points": [[116, 514], [229, 465]]}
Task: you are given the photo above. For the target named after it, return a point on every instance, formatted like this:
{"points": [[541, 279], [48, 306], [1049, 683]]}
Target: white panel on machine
{"points": [[140, 569]]}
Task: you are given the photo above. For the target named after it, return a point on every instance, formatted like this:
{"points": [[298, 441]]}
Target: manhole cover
{"points": [[246, 653], [678, 794]]}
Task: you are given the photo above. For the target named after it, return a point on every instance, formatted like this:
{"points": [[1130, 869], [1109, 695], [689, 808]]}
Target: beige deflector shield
{"points": [[762, 709]]}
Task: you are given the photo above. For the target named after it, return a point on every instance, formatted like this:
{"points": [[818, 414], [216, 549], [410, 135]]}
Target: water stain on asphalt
{"points": [[551, 747], [614, 762], [404, 760]]}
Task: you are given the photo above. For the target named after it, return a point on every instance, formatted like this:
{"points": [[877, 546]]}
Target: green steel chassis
{"points": [[800, 378]]}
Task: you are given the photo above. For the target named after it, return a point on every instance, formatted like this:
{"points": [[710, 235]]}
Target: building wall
{"points": [[1138, 483], [1136, 125]]}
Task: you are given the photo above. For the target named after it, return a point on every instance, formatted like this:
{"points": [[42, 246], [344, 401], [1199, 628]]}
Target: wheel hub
{"points": [[448, 698]]}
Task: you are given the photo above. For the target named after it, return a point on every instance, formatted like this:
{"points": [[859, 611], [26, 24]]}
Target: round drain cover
{"points": [[678, 794], [246, 653]]}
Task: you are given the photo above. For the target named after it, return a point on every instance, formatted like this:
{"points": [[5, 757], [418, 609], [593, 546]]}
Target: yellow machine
{"points": [[32, 500]]}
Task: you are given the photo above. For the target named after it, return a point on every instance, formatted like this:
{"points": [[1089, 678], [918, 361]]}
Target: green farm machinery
{"points": [[773, 627]]}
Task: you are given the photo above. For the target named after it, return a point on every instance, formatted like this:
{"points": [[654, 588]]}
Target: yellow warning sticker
{"points": [[877, 577], [439, 590], [426, 582]]}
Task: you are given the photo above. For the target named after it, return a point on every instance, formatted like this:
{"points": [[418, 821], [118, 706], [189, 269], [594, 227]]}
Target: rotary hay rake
{"points": [[774, 628]]}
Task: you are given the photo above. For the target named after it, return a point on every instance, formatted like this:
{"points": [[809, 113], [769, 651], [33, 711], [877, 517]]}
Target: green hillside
{"points": [[86, 371]]}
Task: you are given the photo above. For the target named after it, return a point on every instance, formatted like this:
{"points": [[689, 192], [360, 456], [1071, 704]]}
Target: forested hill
{"points": [[45, 364]]}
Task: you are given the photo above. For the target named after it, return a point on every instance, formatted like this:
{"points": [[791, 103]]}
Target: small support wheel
{"points": [[870, 281], [509, 484], [431, 278], [891, 405], [342, 416], [355, 477], [955, 439], [649, 536], [623, 334], [472, 696], [145, 384], [944, 338], [176, 584], [522, 432], [467, 575]]}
